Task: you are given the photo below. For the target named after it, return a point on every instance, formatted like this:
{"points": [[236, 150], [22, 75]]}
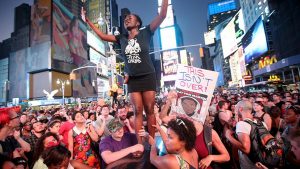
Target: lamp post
{"points": [[63, 83]]}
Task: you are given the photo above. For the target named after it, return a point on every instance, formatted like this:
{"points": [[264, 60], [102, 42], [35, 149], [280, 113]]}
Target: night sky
{"points": [[191, 16]]}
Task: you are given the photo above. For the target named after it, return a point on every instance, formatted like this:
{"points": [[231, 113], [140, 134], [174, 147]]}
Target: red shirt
{"points": [[64, 130], [201, 147]]}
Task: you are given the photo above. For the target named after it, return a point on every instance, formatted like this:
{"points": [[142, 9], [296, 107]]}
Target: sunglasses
{"points": [[182, 123], [293, 108]]}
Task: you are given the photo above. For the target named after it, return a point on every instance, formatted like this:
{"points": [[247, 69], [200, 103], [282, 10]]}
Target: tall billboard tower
{"points": [[170, 37]]}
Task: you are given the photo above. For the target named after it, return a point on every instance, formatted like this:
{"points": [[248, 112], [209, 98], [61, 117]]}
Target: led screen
{"points": [[95, 42], [40, 22], [69, 41], [221, 6], [232, 34], [254, 42], [169, 21], [168, 38]]}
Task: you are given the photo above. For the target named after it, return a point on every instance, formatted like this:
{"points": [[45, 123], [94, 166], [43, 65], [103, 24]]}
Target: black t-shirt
{"points": [[9, 145], [136, 52]]}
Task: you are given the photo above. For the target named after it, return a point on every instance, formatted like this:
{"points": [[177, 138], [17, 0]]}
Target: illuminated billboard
{"points": [[255, 42], [169, 62], [40, 22], [69, 41], [169, 20], [160, 2], [95, 42], [222, 6], [183, 57], [99, 60], [168, 38], [237, 66], [85, 83], [232, 34], [209, 37]]}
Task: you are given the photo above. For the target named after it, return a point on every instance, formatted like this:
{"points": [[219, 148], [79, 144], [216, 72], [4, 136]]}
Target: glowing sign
{"points": [[265, 61], [274, 78], [168, 38], [169, 20]]}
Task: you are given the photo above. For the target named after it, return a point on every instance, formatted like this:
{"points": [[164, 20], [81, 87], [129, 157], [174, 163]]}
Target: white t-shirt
{"points": [[244, 127]]}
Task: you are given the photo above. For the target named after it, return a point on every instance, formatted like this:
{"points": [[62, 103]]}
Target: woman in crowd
{"points": [[261, 115], [46, 141], [206, 140], [277, 122], [80, 140], [54, 126], [180, 144], [139, 70], [58, 157]]}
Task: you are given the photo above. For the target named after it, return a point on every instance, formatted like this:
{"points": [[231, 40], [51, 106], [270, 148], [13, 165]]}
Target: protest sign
{"points": [[195, 88]]}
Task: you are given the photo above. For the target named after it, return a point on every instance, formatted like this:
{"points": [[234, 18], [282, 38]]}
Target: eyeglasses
{"points": [[18, 116], [181, 122]]}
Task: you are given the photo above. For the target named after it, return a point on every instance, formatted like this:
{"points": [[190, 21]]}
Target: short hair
{"points": [[246, 105], [185, 130], [56, 155], [189, 98], [74, 114], [138, 19], [221, 104]]}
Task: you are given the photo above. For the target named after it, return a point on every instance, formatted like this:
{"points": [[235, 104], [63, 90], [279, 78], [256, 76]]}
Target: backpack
{"points": [[264, 147]]}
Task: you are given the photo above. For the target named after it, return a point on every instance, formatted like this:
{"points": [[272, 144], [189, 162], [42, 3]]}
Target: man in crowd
{"points": [[277, 100], [122, 116], [243, 129], [119, 144]]}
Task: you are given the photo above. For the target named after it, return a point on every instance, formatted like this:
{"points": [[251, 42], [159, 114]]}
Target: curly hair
{"points": [[185, 130], [39, 146]]}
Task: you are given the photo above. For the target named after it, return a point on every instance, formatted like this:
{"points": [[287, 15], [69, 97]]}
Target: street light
{"points": [[63, 83]]}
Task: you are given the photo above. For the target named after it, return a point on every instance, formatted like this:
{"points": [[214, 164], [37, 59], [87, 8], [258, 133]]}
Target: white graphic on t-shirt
{"points": [[132, 51]]}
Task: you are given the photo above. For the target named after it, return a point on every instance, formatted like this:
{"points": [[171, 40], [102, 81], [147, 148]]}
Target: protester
{"points": [[122, 115], [102, 120], [119, 144], [80, 139], [206, 140], [180, 144], [139, 69]]}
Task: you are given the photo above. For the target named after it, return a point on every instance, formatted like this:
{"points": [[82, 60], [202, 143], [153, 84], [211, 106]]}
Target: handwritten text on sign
{"points": [[192, 78]]}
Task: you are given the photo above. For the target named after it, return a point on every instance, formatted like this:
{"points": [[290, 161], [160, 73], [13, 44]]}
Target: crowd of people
{"points": [[258, 130]]}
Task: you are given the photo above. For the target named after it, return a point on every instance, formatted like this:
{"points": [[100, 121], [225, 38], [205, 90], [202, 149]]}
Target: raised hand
{"points": [[83, 14]]}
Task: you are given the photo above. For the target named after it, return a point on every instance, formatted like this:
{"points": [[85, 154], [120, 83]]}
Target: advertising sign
{"points": [[232, 34], [168, 38], [40, 22], [169, 62], [209, 37], [69, 42], [195, 88], [255, 42]]}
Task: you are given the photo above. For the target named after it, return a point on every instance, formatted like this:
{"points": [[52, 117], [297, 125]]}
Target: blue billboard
{"points": [[255, 42], [221, 6]]}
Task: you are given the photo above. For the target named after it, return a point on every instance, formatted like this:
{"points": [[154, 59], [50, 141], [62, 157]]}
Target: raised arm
{"points": [[160, 18], [103, 36]]}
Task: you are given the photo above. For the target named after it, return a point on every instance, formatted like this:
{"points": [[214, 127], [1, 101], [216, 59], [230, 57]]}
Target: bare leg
{"points": [[137, 101], [149, 101]]}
